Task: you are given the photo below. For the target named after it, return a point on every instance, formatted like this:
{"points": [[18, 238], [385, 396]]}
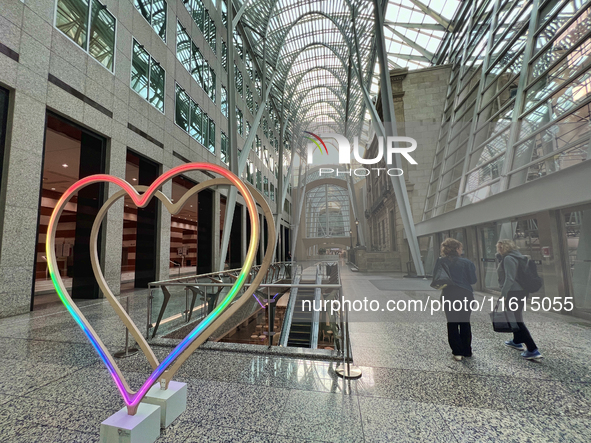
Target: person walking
{"points": [[463, 274], [511, 263]]}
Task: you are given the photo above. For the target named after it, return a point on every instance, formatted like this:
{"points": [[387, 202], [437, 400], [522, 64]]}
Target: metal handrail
{"points": [[192, 284], [315, 313], [293, 295]]}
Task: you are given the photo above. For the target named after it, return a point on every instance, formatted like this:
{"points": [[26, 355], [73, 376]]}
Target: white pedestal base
{"points": [[143, 427], [172, 401]]}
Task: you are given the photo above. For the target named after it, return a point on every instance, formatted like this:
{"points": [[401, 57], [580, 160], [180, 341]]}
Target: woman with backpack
{"points": [[512, 263], [463, 274]]}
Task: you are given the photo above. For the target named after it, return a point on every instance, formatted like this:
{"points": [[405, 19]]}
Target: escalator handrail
{"points": [[293, 295]]}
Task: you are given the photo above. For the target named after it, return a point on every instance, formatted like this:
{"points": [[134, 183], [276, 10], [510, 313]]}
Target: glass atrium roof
{"points": [[319, 52]]}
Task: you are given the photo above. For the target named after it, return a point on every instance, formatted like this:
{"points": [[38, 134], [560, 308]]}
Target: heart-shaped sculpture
{"points": [[200, 333]]}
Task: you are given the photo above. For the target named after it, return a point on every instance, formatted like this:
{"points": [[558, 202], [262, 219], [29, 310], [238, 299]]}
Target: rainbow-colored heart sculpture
{"points": [[169, 366]]}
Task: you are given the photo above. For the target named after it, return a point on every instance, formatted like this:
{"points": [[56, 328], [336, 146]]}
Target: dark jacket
{"points": [[508, 271], [462, 270]]}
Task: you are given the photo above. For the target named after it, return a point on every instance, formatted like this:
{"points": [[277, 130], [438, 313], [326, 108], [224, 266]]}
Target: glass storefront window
{"points": [[70, 154], [524, 233], [577, 228]]}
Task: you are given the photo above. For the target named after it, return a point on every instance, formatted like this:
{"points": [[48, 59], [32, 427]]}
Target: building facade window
{"points": [[190, 57], [249, 99], [203, 20], [211, 136], [224, 13], [224, 101], [224, 148], [90, 26], [259, 180], [154, 11], [238, 79], [148, 78], [239, 121], [224, 56], [193, 120], [249, 171], [249, 66], [238, 44]]}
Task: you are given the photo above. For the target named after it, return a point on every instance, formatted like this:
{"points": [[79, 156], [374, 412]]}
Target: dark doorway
{"points": [[265, 237], [70, 154], [286, 232], [183, 230], [235, 246], [205, 232], [3, 120], [140, 235]]}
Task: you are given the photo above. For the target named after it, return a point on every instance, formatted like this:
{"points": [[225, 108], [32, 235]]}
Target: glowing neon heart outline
{"points": [[132, 399], [173, 209]]}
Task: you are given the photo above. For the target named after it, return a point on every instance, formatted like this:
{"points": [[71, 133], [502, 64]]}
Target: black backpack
{"points": [[528, 277]]}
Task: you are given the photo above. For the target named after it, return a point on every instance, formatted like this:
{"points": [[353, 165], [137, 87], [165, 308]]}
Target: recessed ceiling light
{"points": [[65, 165], [133, 179], [53, 189]]}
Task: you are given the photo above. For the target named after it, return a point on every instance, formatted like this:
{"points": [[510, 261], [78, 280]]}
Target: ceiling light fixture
{"points": [[65, 165]]}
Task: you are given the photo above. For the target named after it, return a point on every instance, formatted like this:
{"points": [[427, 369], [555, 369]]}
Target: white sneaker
{"points": [[458, 357]]}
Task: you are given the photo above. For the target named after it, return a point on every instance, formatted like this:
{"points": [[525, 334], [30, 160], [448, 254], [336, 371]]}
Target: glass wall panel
{"points": [[577, 227], [556, 105], [565, 38], [558, 147]]}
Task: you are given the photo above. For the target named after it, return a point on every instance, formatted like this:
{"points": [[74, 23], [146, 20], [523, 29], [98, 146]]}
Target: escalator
{"points": [[300, 334]]}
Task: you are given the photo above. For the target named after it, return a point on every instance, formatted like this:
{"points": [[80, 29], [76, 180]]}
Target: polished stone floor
{"points": [[53, 387]]}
